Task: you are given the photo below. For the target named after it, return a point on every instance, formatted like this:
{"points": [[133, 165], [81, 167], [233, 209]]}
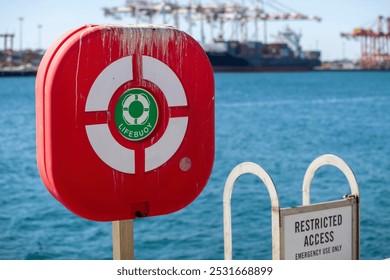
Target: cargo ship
{"points": [[238, 53], [255, 56]]}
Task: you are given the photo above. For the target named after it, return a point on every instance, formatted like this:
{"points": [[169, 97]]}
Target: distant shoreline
{"points": [[30, 73]]}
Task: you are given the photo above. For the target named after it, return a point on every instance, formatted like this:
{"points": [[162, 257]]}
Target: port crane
{"points": [[215, 14], [374, 44], [8, 48]]}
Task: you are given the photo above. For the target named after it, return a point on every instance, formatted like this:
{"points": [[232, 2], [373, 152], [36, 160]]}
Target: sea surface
{"points": [[281, 121]]}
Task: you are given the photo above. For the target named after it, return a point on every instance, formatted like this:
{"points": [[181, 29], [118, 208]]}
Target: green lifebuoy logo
{"points": [[136, 114]]}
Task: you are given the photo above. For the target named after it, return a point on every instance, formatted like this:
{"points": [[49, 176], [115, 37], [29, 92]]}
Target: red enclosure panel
{"points": [[125, 121]]}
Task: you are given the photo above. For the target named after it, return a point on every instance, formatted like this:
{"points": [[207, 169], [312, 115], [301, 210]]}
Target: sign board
{"points": [[125, 120], [325, 231]]}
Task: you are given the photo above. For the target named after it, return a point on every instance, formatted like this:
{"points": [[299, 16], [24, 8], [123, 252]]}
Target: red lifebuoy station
{"points": [[125, 121]]}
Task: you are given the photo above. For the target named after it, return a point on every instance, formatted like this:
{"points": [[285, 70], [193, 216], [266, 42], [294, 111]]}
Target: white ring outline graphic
{"points": [[108, 81], [126, 113]]}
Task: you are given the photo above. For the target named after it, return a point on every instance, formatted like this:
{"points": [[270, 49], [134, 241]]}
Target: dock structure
{"points": [[13, 62]]}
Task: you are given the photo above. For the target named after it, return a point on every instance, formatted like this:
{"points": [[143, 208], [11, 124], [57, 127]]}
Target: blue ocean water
{"points": [[281, 121]]}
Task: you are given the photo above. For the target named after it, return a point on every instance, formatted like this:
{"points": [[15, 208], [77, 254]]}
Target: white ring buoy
{"points": [[126, 109], [102, 90]]}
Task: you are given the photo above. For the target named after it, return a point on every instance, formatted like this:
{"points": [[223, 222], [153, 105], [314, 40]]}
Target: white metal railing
{"points": [[322, 161], [252, 168]]}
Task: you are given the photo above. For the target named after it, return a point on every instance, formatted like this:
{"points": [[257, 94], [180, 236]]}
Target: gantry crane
{"points": [[8, 49], [214, 14], [374, 44]]}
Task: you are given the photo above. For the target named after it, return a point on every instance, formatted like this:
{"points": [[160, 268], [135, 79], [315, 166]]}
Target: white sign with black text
{"points": [[312, 232]]}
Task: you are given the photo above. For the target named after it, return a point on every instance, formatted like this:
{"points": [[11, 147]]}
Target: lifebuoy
{"points": [[132, 118], [109, 150]]}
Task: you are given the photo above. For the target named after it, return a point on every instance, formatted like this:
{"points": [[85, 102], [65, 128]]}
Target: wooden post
{"points": [[123, 240]]}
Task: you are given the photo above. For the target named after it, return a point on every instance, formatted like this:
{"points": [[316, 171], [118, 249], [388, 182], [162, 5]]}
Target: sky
{"points": [[43, 21]]}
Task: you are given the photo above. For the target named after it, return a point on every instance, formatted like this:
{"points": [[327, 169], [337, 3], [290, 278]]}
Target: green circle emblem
{"points": [[136, 114]]}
